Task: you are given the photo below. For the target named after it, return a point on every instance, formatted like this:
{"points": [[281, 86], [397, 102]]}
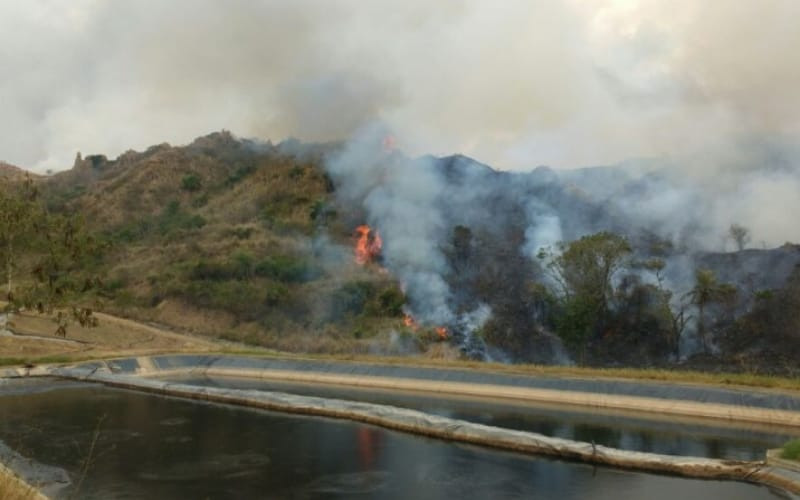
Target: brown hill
{"points": [[218, 237], [11, 172]]}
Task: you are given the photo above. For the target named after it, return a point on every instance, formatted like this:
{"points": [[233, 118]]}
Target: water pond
{"points": [[124, 444]]}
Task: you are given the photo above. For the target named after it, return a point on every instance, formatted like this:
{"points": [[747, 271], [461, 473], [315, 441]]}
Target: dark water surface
{"points": [[657, 436], [155, 447]]}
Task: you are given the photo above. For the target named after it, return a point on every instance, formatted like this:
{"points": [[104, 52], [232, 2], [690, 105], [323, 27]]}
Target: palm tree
{"points": [[705, 291]]}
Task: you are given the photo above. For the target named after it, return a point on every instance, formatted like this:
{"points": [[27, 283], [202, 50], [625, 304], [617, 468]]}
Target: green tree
{"points": [[586, 267], [585, 271], [20, 214], [45, 258]]}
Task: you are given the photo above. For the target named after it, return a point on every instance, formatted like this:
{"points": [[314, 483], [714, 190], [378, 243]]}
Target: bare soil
{"points": [[34, 340]]}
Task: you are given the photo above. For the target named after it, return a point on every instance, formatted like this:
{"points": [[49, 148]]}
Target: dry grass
{"points": [[118, 337], [14, 488], [113, 337]]}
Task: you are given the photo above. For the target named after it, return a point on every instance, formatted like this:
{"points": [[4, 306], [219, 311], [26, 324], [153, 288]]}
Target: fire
{"points": [[410, 322], [368, 244]]}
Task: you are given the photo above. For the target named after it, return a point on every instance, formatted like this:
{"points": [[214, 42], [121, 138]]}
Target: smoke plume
{"points": [[711, 88]]}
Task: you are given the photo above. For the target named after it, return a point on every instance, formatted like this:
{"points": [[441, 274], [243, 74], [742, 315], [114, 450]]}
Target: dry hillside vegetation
{"points": [[223, 238], [35, 340]]}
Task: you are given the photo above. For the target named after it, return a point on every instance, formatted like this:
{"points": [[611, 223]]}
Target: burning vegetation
{"points": [[410, 322], [368, 245], [367, 249]]}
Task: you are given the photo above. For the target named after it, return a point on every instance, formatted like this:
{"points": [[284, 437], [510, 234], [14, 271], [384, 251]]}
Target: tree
{"points": [[707, 290], [701, 295], [586, 267], [20, 215], [585, 271], [44, 256], [677, 319], [740, 235]]}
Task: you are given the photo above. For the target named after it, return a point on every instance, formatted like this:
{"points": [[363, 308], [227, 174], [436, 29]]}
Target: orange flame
{"points": [[442, 332], [410, 322], [368, 244]]}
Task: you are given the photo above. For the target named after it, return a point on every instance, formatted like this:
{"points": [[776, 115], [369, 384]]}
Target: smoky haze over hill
{"points": [[510, 218], [565, 83], [708, 90]]}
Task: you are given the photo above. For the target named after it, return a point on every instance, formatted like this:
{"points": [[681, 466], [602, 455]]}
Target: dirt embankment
{"points": [[34, 340]]}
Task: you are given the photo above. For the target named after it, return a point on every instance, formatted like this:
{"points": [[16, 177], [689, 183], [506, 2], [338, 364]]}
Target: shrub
{"points": [[287, 269], [132, 231], [791, 450], [389, 302], [242, 266], [351, 298], [191, 182], [244, 299], [210, 271], [200, 201], [242, 171], [240, 233], [173, 218], [275, 294], [317, 209]]}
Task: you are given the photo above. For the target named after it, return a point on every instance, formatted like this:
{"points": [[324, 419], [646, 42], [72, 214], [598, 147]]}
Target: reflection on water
{"points": [[627, 433], [163, 448]]}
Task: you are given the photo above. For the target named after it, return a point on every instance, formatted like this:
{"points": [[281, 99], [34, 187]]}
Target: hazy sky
{"points": [[513, 83]]}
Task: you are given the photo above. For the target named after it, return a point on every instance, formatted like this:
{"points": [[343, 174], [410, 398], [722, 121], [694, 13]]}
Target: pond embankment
{"points": [[13, 487], [25, 479]]}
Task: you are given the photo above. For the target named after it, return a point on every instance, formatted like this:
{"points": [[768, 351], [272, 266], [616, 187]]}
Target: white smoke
{"points": [[402, 199], [711, 88], [519, 84], [543, 231]]}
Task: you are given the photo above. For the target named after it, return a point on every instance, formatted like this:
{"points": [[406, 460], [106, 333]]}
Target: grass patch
{"points": [[48, 359], [14, 488], [57, 358], [791, 450], [11, 361]]}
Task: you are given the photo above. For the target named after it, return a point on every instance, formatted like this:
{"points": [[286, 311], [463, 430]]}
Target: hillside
{"points": [[255, 242], [13, 173], [220, 238]]}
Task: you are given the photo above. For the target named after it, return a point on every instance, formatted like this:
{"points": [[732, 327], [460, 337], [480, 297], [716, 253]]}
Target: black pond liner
{"points": [[703, 394]]}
